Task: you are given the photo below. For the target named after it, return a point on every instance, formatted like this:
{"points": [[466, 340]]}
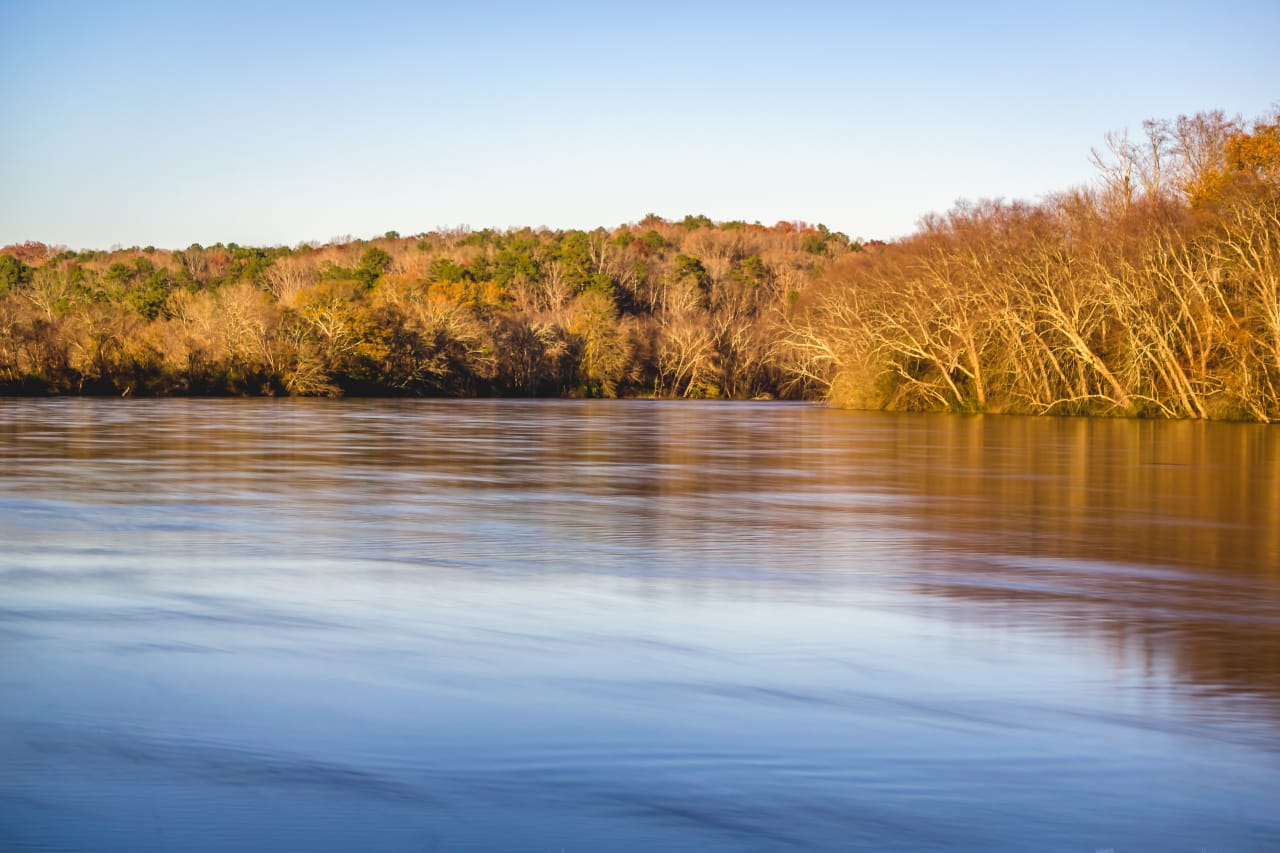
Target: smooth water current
{"points": [[633, 626]]}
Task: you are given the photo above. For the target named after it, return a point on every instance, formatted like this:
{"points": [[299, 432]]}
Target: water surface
{"points": [[633, 626]]}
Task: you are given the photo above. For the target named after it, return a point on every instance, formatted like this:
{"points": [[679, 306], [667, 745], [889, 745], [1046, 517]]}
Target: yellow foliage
{"points": [[474, 294], [1247, 156], [1258, 152]]}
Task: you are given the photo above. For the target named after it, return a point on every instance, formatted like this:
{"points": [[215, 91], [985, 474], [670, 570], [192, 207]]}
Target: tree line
{"points": [[678, 309], [1154, 293]]}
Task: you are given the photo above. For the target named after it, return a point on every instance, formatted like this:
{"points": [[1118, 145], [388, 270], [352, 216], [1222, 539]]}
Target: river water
{"points": [[633, 626]]}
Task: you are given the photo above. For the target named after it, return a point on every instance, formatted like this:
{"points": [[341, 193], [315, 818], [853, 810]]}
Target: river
{"points": [[633, 626]]}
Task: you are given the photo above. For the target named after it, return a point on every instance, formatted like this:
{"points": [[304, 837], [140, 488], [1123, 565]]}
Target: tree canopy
{"points": [[1155, 292]]}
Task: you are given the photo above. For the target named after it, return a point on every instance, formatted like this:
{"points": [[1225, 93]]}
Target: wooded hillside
{"points": [[1155, 293]]}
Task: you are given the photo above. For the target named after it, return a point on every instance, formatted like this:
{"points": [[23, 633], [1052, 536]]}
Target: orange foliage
{"points": [[1257, 152]]}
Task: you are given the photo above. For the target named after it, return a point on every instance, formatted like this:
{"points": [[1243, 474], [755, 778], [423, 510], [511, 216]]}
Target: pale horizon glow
{"points": [[266, 124]]}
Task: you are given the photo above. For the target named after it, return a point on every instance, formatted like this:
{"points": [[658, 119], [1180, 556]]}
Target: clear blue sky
{"points": [[172, 123]]}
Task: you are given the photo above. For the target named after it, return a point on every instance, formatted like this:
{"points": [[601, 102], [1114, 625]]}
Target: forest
{"points": [[1154, 292]]}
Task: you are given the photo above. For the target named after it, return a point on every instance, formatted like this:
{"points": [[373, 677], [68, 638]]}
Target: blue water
{"points": [[632, 626]]}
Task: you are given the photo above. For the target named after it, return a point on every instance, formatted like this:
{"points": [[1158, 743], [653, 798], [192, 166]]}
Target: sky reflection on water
{"points": [[506, 625]]}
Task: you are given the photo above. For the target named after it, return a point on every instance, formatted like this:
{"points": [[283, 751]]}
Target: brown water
{"points": [[633, 626]]}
